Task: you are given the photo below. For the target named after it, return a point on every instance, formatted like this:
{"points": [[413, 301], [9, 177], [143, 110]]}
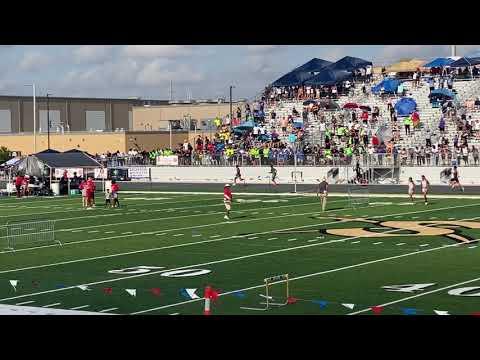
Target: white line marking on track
{"points": [[50, 305], [294, 239], [174, 314], [400, 244], [75, 231], [253, 238], [313, 240], [79, 307], [419, 295], [378, 243], [215, 236], [176, 235], [354, 242], [433, 218], [127, 232], [107, 310], [472, 247], [181, 245], [161, 234], [424, 245], [397, 217], [25, 302], [109, 232], [195, 235], [273, 238], [93, 231], [451, 218]]}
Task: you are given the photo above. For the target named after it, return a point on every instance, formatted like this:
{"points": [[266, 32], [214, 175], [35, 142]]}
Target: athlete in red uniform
{"points": [[227, 200], [18, 185], [114, 190], [90, 186]]}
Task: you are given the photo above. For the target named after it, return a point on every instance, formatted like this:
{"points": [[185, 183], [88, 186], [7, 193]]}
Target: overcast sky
{"points": [[204, 71]]}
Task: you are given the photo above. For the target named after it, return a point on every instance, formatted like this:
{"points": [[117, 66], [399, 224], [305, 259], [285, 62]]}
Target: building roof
{"points": [[65, 98], [77, 159]]}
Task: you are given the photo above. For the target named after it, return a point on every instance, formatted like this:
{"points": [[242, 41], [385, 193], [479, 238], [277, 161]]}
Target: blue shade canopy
{"points": [[439, 62], [329, 76], [405, 106], [302, 73], [465, 61], [389, 86], [442, 93], [247, 125], [349, 63]]}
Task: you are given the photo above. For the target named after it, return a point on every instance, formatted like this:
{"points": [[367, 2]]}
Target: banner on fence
{"points": [[171, 160], [139, 172], [101, 173], [60, 171]]}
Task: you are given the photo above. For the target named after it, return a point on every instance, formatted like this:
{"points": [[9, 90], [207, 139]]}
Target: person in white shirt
{"points": [[425, 188], [411, 190]]}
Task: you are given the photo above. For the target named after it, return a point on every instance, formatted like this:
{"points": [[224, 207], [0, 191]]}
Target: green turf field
{"points": [[334, 266]]}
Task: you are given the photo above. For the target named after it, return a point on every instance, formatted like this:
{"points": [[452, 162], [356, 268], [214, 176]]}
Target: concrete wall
{"points": [[157, 117], [259, 175], [92, 142]]}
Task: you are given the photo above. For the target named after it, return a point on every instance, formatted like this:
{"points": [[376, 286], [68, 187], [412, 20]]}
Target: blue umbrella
{"points": [[442, 93], [247, 125], [439, 62]]}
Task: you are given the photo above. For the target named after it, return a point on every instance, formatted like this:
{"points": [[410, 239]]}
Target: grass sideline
{"points": [[274, 234]]}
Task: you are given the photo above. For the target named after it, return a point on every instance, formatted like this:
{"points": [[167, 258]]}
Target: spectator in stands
{"points": [[475, 154], [407, 122], [441, 125]]}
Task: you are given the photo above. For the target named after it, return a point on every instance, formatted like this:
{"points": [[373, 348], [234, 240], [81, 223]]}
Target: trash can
{"points": [[55, 187]]}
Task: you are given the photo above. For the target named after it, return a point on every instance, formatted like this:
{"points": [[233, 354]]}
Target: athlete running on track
{"points": [[454, 182], [238, 175], [227, 200], [411, 190], [273, 171], [425, 188], [323, 192]]}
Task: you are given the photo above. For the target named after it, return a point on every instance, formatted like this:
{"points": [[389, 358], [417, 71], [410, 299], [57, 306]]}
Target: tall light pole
{"points": [[48, 122], [231, 112], [34, 119]]}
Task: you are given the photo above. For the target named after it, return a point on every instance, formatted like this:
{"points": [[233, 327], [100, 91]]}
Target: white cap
{"points": [[227, 185]]}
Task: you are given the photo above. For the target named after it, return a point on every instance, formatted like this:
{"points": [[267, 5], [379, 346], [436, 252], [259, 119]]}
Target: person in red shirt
{"points": [[114, 190], [227, 200], [90, 193], [18, 185]]}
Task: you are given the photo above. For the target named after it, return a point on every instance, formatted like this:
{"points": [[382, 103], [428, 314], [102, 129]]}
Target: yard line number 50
{"points": [[143, 269]]}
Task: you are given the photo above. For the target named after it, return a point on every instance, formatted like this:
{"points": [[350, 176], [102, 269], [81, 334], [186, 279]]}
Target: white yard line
{"points": [[294, 239], [25, 302], [50, 305], [79, 307], [216, 224], [107, 310], [400, 244], [417, 296], [354, 242], [378, 243], [423, 245], [176, 235], [240, 258], [190, 244]]}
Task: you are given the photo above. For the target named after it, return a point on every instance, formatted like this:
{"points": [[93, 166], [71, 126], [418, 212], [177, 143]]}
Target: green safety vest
{"points": [[348, 151], [266, 152]]}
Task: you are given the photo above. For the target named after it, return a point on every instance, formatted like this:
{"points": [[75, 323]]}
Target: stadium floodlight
{"points": [[39, 231]]}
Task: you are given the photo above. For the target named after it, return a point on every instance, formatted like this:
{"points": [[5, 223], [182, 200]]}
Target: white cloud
{"points": [[34, 61], [149, 51], [156, 73], [92, 53], [262, 49]]}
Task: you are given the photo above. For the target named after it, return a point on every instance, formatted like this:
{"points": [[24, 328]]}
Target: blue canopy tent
{"points": [[329, 76], [246, 126], [405, 106], [442, 93], [349, 63], [465, 61], [439, 62], [304, 72], [389, 86]]}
